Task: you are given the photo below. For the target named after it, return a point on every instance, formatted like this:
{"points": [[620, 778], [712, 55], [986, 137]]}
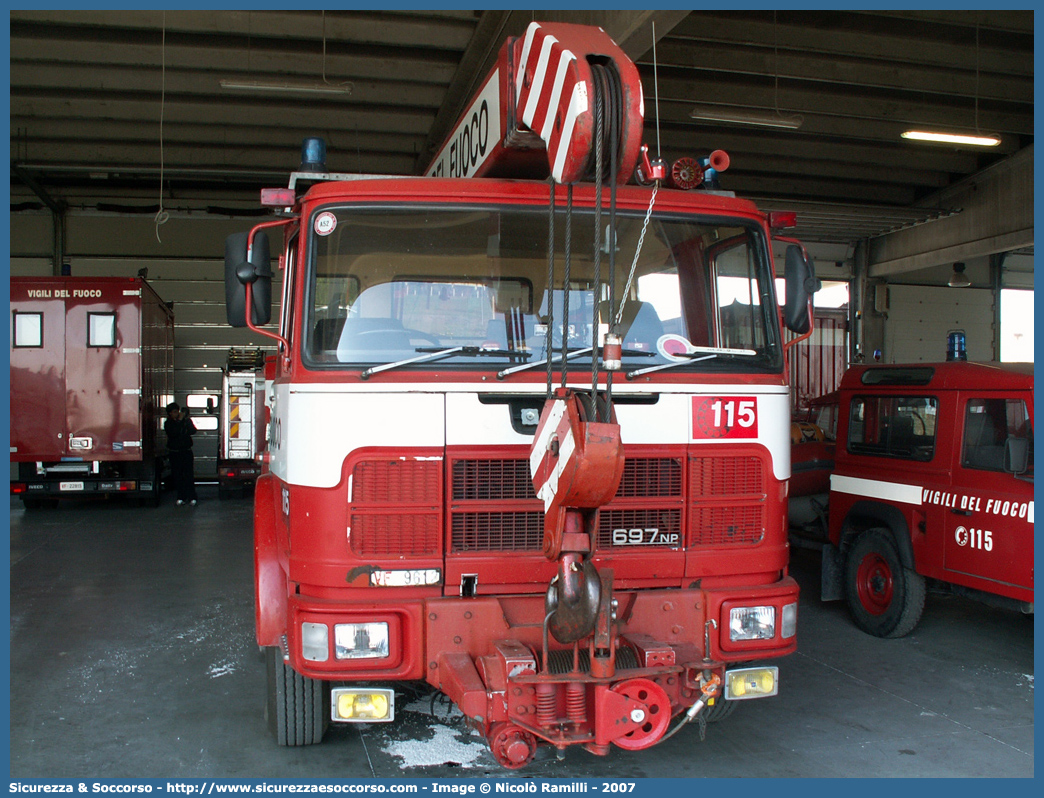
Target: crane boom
{"points": [[535, 112]]}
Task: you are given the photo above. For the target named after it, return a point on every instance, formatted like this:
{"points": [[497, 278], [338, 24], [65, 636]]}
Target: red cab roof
{"points": [[954, 375]]}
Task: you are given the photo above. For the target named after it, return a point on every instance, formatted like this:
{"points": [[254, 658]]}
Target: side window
{"points": [[101, 329], [988, 423], [287, 305], [738, 292], [893, 426], [335, 296], [27, 330]]}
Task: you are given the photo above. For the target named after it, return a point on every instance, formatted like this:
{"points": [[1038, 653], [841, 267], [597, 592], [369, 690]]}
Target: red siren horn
{"points": [[719, 160]]}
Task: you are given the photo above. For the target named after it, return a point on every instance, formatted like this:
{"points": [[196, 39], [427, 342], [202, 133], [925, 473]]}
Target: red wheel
{"points": [[885, 597], [657, 713], [874, 583], [512, 747]]}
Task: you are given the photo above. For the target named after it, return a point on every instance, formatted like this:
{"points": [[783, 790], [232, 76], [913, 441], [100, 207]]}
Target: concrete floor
{"points": [[132, 655]]}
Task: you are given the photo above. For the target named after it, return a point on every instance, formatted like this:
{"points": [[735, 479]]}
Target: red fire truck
{"points": [[529, 438], [243, 421], [92, 364], [933, 480]]}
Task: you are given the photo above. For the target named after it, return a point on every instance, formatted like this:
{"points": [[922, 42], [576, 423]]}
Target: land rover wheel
{"points": [[297, 706], [885, 598]]}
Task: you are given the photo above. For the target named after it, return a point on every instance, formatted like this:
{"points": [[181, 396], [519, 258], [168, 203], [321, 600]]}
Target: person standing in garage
{"points": [[180, 429]]}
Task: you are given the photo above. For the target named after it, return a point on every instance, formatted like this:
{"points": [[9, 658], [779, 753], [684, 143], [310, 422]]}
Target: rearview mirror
{"points": [[801, 283], [255, 270]]}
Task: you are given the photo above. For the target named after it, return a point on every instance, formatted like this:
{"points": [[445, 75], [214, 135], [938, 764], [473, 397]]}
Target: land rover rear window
{"points": [[914, 375]]}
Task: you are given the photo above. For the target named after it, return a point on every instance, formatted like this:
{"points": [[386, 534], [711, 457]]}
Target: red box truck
{"points": [[92, 366]]}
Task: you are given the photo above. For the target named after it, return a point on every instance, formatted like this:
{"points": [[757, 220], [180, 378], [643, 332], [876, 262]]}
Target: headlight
{"points": [[315, 642], [789, 624], [361, 640], [752, 623]]}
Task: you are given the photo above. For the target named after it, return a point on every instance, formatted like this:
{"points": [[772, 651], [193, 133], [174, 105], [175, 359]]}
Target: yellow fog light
{"points": [[362, 705], [746, 683]]}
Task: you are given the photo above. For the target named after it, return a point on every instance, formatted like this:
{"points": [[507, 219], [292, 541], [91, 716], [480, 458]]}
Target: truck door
{"points": [[989, 530], [103, 372], [38, 370], [907, 440]]}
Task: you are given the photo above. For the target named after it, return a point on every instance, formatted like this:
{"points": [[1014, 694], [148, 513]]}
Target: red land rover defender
{"points": [[933, 480]]}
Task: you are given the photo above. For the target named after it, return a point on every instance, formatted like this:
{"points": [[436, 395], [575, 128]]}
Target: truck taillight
{"points": [[17, 487]]}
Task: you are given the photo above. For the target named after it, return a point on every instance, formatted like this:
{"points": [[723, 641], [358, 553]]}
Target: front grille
{"points": [[393, 480], [494, 507], [395, 534], [491, 480], [497, 531], [648, 527], [651, 476], [726, 476], [395, 507], [727, 500], [397, 503]]}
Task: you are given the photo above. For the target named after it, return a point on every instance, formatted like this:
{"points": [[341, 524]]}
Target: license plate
{"points": [[70, 486], [425, 576]]}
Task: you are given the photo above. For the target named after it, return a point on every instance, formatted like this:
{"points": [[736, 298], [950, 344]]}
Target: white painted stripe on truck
{"points": [[877, 489]]}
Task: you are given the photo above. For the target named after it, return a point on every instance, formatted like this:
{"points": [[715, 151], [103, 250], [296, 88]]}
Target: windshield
{"points": [[387, 284]]}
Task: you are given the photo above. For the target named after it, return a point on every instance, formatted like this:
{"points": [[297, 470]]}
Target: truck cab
{"points": [[528, 438], [933, 481]]}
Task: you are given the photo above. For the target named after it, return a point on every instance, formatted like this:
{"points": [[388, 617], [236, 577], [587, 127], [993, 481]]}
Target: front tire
{"points": [[885, 598], [297, 705], [719, 710]]}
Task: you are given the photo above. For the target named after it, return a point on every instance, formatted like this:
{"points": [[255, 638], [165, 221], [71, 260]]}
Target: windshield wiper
{"points": [[557, 359], [575, 353], [437, 354], [694, 355]]}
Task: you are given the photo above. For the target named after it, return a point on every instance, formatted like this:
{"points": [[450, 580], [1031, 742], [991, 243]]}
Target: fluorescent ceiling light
{"points": [[290, 87], [953, 138], [741, 116]]}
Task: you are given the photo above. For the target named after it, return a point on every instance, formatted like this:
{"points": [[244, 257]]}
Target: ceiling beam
{"points": [[902, 109], [251, 27], [798, 31], [235, 59], [822, 69], [997, 216]]}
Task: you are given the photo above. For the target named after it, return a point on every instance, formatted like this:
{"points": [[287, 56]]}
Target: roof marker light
{"points": [[278, 197]]}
